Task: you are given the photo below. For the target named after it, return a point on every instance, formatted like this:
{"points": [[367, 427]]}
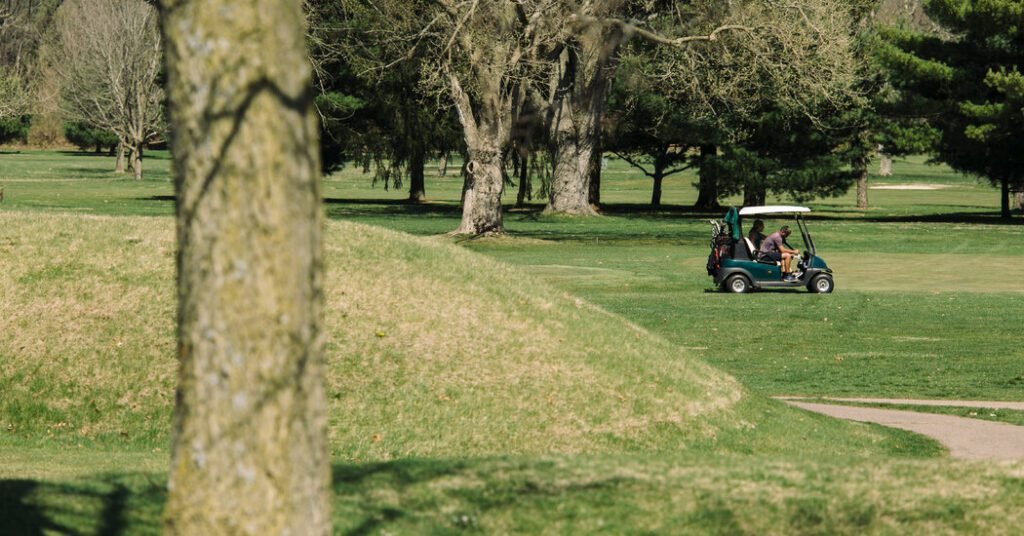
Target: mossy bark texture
{"points": [[249, 453], [583, 72], [486, 141]]}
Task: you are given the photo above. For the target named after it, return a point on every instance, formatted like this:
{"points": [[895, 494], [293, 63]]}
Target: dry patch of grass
{"points": [[444, 353], [86, 327], [432, 350]]}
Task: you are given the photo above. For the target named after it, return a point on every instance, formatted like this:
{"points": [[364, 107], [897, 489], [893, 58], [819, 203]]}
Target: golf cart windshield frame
{"points": [[808, 241], [783, 210]]}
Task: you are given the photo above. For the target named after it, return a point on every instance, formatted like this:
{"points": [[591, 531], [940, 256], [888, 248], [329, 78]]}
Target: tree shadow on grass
{"points": [[82, 172], [102, 154], [356, 208], [106, 506], [428, 496], [19, 513], [984, 218]]}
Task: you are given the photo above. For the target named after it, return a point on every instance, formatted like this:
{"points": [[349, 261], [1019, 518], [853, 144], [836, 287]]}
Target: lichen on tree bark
{"points": [[249, 454]]}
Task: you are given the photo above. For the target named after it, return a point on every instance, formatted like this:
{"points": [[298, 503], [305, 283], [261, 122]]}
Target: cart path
{"points": [[985, 404], [971, 439]]}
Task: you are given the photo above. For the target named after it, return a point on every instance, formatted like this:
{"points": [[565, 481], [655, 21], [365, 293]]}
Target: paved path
{"points": [[972, 439], [986, 404]]}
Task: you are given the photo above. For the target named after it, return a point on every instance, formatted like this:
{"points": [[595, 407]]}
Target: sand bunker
{"points": [[910, 187]]}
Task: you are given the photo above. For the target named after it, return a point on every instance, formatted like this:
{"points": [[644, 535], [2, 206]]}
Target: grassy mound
{"points": [[433, 351], [441, 352]]}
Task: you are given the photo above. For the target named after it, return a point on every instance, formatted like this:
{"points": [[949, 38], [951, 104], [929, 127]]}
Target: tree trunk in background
{"points": [[660, 163], [1004, 201], [862, 191], [572, 134], [596, 161], [249, 451], [754, 196], [523, 168], [119, 164], [860, 170], [707, 188], [481, 203], [486, 140], [417, 182], [137, 161], [656, 191], [570, 179], [583, 71], [442, 165], [1018, 200], [885, 165]]}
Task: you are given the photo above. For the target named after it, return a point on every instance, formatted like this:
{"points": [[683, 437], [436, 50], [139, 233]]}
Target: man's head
{"points": [[758, 225], [784, 231]]}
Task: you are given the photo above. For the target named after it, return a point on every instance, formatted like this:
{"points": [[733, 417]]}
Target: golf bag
{"points": [[721, 246]]}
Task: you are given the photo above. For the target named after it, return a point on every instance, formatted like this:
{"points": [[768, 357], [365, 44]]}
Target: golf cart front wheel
{"points": [[737, 284], [821, 284]]}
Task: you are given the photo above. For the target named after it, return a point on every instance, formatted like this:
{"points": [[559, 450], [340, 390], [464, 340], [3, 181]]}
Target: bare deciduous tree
{"points": [[249, 453], [14, 100], [496, 59], [109, 63], [488, 57], [585, 65]]}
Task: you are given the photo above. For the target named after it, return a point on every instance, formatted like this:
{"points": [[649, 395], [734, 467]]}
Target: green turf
{"points": [[85, 183], [928, 290]]}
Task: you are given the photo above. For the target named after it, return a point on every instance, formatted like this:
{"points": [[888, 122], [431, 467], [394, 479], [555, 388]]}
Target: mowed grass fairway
{"points": [[579, 376]]}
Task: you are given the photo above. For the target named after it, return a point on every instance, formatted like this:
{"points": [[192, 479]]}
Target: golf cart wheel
{"points": [[737, 284], [821, 284]]}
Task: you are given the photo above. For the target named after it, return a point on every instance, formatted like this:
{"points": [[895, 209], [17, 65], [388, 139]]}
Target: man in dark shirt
{"points": [[774, 248]]}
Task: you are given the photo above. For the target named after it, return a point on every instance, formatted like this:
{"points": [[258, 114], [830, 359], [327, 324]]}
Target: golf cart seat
{"points": [[752, 254]]}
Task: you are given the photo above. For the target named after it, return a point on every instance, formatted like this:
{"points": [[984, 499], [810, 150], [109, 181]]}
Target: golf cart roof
{"points": [[772, 209]]}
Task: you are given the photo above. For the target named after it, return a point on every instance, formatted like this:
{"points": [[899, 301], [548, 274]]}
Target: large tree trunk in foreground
{"points": [[249, 453]]}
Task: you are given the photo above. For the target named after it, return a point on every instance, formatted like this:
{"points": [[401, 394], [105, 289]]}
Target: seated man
{"points": [[774, 248]]}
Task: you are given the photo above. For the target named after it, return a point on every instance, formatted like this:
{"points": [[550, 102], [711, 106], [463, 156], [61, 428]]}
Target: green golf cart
{"points": [[736, 266]]}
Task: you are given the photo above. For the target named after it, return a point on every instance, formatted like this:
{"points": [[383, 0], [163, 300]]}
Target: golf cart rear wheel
{"points": [[737, 284], [821, 284]]}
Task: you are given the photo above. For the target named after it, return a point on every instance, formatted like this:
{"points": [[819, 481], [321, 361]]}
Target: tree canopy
{"points": [[971, 85]]}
